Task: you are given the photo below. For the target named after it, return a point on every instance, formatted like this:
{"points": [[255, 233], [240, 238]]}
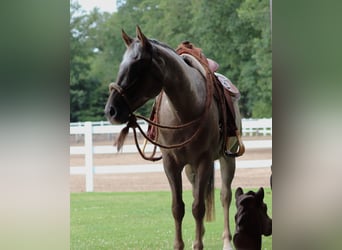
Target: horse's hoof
{"points": [[179, 246], [197, 246], [227, 246]]}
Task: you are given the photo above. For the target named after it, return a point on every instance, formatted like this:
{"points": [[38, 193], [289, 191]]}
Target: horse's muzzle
{"points": [[112, 111], [111, 114], [115, 115], [268, 228]]}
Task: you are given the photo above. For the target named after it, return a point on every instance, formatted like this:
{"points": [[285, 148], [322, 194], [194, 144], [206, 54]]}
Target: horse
{"points": [[148, 69], [251, 220]]}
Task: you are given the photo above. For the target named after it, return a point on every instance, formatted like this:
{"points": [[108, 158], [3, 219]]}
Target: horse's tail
{"points": [[210, 197]]}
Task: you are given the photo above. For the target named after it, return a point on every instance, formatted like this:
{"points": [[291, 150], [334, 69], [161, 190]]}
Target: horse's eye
{"points": [[135, 68], [138, 67]]}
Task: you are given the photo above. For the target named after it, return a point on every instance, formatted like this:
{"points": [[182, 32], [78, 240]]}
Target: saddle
{"points": [[224, 92], [224, 88], [213, 66], [228, 85]]}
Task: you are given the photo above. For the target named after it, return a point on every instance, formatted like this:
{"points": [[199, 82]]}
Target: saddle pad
{"points": [[226, 83], [193, 62]]}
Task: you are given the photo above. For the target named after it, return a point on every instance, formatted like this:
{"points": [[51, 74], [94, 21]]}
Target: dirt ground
{"points": [[244, 177]]}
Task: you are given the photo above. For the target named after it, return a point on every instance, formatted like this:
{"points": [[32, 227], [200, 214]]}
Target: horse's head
{"points": [[252, 211], [139, 78]]}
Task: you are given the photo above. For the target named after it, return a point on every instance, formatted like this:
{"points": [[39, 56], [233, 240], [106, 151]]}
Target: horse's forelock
{"points": [[136, 50], [245, 200], [133, 50], [131, 53]]}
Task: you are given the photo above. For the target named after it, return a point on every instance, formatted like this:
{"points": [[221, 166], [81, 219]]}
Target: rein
{"points": [[132, 123]]}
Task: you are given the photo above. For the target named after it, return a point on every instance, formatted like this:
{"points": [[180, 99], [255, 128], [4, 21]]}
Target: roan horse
{"points": [[147, 69], [251, 220]]}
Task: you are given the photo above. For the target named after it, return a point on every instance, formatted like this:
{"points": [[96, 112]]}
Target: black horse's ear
{"points": [[260, 194], [127, 39], [238, 192], [144, 41]]}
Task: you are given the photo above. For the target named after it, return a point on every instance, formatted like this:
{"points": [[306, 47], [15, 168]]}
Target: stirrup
{"points": [[241, 148]]}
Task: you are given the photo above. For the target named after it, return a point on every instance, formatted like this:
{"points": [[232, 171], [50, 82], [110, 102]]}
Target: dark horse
{"points": [[149, 68], [251, 220]]}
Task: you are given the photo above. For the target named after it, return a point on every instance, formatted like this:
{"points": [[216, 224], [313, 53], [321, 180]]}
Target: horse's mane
{"points": [[164, 45]]}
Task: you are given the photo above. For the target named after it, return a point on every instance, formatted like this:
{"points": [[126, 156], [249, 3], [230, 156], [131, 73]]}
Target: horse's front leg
{"points": [[227, 174], [174, 175]]}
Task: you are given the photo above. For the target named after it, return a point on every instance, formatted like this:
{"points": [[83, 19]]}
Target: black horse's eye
{"points": [[138, 68], [135, 68]]}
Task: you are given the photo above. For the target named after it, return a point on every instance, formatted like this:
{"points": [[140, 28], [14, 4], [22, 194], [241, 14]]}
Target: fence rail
{"points": [[249, 127], [88, 129]]}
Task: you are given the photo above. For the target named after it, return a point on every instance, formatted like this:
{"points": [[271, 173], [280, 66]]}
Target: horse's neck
{"points": [[184, 87]]}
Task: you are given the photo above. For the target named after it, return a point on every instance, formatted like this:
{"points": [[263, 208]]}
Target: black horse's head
{"points": [[139, 79], [251, 219]]}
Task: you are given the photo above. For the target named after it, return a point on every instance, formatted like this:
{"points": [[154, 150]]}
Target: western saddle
{"points": [[225, 93]]}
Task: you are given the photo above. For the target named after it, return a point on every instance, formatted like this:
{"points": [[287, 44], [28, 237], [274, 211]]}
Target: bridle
{"points": [[132, 123], [121, 91], [132, 119]]}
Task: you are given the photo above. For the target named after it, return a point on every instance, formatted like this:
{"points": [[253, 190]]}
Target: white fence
{"points": [[88, 129], [257, 126], [249, 126]]}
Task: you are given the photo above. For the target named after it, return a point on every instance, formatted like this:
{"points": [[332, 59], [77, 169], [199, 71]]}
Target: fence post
{"points": [[88, 144]]}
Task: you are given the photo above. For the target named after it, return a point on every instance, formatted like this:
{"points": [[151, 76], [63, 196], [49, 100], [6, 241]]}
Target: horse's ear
{"points": [[142, 37], [238, 192], [128, 40], [260, 194]]}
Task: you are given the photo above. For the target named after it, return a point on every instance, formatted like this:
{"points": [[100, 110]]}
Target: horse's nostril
{"points": [[112, 111]]}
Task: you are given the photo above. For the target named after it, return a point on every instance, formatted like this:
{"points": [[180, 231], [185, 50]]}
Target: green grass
{"points": [[142, 220]]}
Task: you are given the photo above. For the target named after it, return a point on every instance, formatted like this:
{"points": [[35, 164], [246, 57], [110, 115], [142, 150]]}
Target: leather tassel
{"points": [[121, 139]]}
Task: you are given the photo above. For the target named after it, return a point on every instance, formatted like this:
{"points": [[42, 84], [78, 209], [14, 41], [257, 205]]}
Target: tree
{"points": [[79, 62], [256, 14], [86, 103], [235, 33]]}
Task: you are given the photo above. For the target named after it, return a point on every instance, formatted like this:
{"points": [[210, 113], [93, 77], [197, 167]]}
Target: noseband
{"points": [[121, 92], [132, 123]]}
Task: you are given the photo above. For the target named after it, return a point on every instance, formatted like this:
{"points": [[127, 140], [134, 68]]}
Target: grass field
{"points": [[141, 220]]}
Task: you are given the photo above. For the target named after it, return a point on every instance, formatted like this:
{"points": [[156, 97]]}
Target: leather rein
{"points": [[132, 123]]}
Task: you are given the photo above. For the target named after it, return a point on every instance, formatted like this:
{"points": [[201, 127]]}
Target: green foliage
{"points": [[235, 33], [142, 220]]}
